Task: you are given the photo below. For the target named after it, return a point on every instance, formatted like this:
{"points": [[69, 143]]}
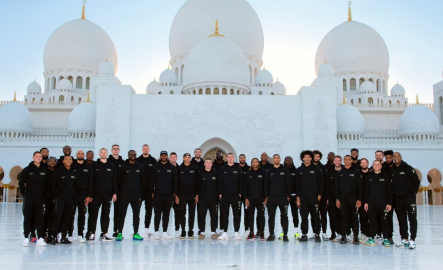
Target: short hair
{"points": [[208, 159], [89, 151], [52, 157], [173, 153], [275, 155], [381, 151], [145, 145], [347, 156], [67, 146], [197, 149], [130, 151], [44, 149], [317, 152], [388, 153], [331, 153], [376, 161], [242, 155], [230, 154], [68, 157], [338, 156], [354, 149], [115, 145], [104, 148], [364, 159], [306, 152], [35, 153]]}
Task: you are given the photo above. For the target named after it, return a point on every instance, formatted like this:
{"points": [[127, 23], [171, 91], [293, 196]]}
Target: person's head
{"points": [[80, 155], [52, 162], [354, 154], [197, 153], [163, 156], [115, 149], [317, 156], [348, 160], [173, 157], [255, 163], [208, 164], [364, 163], [379, 155], [103, 153], [67, 161], [389, 156], [276, 159], [219, 155], [242, 159], [289, 162], [264, 157], [37, 157], [132, 155], [230, 158], [89, 155], [307, 156], [187, 158], [67, 150], [45, 153], [397, 158], [145, 149], [331, 156], [337, 161], [376, 165]]}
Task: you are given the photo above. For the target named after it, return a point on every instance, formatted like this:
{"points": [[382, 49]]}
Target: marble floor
{"points": [[214, 254]]}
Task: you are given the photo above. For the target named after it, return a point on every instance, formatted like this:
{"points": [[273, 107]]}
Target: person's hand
{"points": [[319, 197], [239, 195], [327, 202], [247, 202], [196, 199], [53, 201], [358, 204], [337, 203], [298, 202], [265, 202], [90, 200], [177, 200], [152, 195], [366, 207], [388, 207], [289, 199], [114, 198], [87, 201], [219, 197]]}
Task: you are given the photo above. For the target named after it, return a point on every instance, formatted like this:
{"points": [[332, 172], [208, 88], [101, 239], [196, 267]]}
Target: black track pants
{"points": [[406, 208], [309, 206], [205, 206], [235, 202], [282, 203]]}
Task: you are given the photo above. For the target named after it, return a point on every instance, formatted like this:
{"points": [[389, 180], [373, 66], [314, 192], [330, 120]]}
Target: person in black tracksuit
{"points": [[245, 168], [386, 168], [49, 198], [364, 215], [188, 187], [67, 150], [164, 188], [90, 158], [230, 188], [333, 211], [147, 161], [310, 190], [216, 165], [405, 185], [31, 183], [130, 176], [323, 206], [208, 198], [83, 193], [105, 190], [254, 193], [118, 162], [355, 161], [378, 200], [64, 179], [289, 165], [330, 163], [175, 206], [264, 163], [348, 189], [278, 192]]}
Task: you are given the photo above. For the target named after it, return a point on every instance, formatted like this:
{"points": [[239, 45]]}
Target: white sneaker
{"points": [[41, 242], [223, 236], [59, 236], [246, 233], [26, 242], [70, 238], [80, 239], [312, 236], [156, 235], [237, 236], [177, 234], [325, 236], [337, 238], [147, 232], [350, 238], [402, 243], [411, 244], [166, 236], [150, 235]]}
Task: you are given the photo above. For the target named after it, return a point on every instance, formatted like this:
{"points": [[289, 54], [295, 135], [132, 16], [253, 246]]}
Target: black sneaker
{"points": [[304, 238], [65, 241], [49, 239], [332, 237], [257, 235], [271, 238], [183, 235], [343, 240], [391, 241], [54, 241], [285, 238], [356, 241], [191, 234], [251, 236], [104, 237], [317, 238], [115, 234]]}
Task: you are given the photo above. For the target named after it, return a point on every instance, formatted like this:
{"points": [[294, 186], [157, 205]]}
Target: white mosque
{"points": [[218, 95]]}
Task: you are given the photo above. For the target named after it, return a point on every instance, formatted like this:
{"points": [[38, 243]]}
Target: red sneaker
{"points": [[33, 239], [251, 236], [262, 236]]}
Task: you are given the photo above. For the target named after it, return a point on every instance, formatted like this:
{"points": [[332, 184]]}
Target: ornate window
{"points": [[87, 82], [353, 85], [79, 82]]}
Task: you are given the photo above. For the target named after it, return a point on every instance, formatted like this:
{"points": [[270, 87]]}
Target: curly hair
{"points": [[306, 152]]}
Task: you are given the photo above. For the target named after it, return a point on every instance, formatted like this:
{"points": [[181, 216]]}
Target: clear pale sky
{"points": [[293, 30]]}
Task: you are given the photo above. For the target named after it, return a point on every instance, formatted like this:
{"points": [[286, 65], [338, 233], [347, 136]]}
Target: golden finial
{"points": [[344, 99], [416, 100], [169, 67], [264, 67], [106, 59], [154, 79], [325, 61], [277, 79], [349, 11], [83, 10], [87, 99], [15, 96], [216, 34]]}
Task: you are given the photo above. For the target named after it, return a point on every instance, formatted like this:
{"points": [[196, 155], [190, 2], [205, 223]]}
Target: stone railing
{"points": [[49, 129], [381, 131], [391, 142], [394, 105], [46, 141], [44, 103]]}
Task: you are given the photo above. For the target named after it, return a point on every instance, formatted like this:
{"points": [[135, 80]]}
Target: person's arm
{"points": [[325, 182], [359, 186], [90, 181], [114, 182], [288, 183], [240, 181], [121, 176], [246, 188], [220, 182], [152, 180], [337, 186], [267, 183], [390, 192], [366, 195], [197, 183], [175, 181], [414, 178], [22, 181], [55, 184], [320, 181], [298, 183]]}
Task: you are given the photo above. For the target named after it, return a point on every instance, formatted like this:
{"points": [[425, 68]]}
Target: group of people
{"points": [[358, 198]]}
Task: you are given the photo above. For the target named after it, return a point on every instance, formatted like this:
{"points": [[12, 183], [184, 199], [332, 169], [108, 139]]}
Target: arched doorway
{"points": [[419, 198], [211, 153], [210, 147], [434, 188], [14, 192]]}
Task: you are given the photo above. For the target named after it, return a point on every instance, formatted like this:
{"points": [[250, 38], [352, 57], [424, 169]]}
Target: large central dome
{"points": [[195, 20]]}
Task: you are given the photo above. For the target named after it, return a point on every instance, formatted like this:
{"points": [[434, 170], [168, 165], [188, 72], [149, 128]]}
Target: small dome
{"points": [[278, 88], [326, 70], [15, 117], [264, 77], [397, 91], [82, 118], [34, 88], [168, 76], [106, 69], [349, 120], [64, 84], [367, 87], [152, 87], [418, 120]]}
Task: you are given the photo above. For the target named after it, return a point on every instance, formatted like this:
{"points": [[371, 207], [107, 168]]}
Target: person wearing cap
{"points": [[216, 165], [164, 188], [188, 187]]}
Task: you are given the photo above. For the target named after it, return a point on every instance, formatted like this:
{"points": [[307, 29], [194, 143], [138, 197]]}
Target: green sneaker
{"points": [[137, 237], [119, 237], [281, 236], [386, 242], [297, 236], [406, 245], [370, 242]]}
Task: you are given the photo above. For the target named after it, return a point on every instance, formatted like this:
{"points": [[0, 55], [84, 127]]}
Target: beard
{"points": [[242, 162], [45, 157], [80, 158], [354, 158], [219, 158]]}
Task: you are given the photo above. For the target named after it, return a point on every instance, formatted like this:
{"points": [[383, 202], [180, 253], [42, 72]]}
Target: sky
{"points": [[293, 29]]}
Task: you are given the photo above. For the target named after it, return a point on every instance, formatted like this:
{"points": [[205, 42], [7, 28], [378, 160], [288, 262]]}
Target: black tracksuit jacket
{"points": [[254, 184], [147, 164], [164, 179], [405, 181], [325, 180], [48, 184], [230, 180], [348, 183], [277, 182], [105, 178], [200, 164], [208, 185], [293, 174], [85, 177], [117, 162], [64, 183], [216, 166], [188, 179], [130, 178], [378, 189], [34, 178], [309, 181]]}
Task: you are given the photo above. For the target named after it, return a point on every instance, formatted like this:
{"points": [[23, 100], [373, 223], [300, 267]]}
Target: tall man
{"points": [[90, 158], [386, 168], [164, 188], [83, 193], [364, 219], [130, 176], [147, 161], [334, 212], [117, 160], [66, 152], [289, 165], [230, 187], [45, 155], [310, 190], [49, 198], [330, 164], [175, 206], [245, 168], [405, 184], [264, 163], [355, 160], [216, 165], [197, 159], [323, 207], [255, 198], [31, 185], [105, 190], [208, 199], [348, 189]]}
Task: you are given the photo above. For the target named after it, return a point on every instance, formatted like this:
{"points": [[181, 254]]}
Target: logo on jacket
{"points": [[214, 178], [260, 176], [42, 173], [137, 171], [168, 171], [312, 172], [282, 173], [293, 174], [351, 174], [150, 165], [382, 180], [72, 177], [85, 170], [31, 173], [234, 172], [63, 177], [191, 171], [108, 170], [402, 173]]}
